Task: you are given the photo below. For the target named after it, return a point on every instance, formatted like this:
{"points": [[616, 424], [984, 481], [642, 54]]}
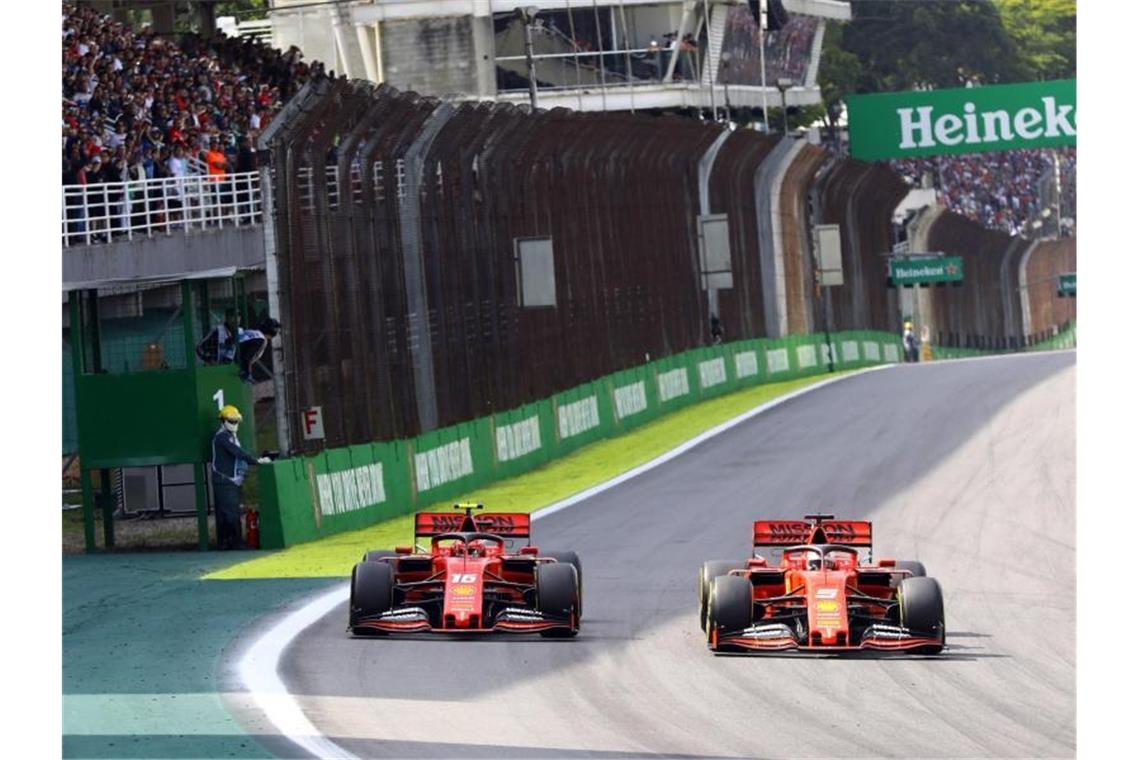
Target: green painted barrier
{"points": [[582, 415], [524, 439], [349, 488], [634, 397]]}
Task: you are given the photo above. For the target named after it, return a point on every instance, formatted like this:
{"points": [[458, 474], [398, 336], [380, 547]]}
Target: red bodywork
{"points": [[823, 593], [469, 581]]}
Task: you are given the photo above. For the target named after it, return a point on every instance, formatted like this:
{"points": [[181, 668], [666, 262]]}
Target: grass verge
{"points": [[562, 478]]}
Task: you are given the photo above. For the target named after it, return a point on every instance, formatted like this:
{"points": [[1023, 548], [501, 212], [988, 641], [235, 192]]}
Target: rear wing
{"points": [[792, 532], [769, 537], [505, 524]]}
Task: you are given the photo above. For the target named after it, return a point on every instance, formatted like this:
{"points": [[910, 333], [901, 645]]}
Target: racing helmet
{"points": [[229, 413]]}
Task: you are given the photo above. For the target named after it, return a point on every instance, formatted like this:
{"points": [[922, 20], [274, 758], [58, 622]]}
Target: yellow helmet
{"points": [[229, 413], [906, 325]]}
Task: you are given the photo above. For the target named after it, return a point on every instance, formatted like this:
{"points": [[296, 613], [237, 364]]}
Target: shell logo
{"points": [[827, 606], [462, 590]]}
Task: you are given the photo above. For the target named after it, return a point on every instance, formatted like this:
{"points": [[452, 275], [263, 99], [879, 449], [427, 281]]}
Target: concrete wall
{"points": [[1043, 263], [431, 55], [796, 237], [164, 255], [861, 199]]}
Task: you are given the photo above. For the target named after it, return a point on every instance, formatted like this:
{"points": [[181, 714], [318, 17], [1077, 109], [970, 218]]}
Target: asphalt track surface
{"points": [[968, 466]]}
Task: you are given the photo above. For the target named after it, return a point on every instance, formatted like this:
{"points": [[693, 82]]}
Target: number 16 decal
{"points": [[463, 577]]}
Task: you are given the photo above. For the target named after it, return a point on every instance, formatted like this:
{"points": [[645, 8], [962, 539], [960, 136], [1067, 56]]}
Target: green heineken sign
{"points": [[965, 120], [926, 270], [1067, 284]]}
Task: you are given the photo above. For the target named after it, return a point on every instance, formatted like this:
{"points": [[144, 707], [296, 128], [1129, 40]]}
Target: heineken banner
{"points": [[919, 271], [965, 120]]}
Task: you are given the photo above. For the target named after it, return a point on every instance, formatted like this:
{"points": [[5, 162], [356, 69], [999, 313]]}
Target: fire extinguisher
{"points": [[252, 533]]}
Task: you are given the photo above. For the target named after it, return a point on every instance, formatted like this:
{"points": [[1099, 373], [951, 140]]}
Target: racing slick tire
{"points": [[709, 570], [921, 611], [917, 569], [572, 558], [556, 592], [730, 604], [376, 555], [372, 584]]}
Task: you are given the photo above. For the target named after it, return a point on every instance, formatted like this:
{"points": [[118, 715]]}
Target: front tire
{"points": [[921, 611], [730, 605], [556, 591], [572, 559], [916, 568], [714, 568], [372, 585]]}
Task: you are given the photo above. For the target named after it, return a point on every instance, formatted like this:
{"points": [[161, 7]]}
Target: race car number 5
{"points": [[463, 577]]}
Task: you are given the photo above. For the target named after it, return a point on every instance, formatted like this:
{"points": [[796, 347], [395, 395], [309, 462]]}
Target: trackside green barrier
{"points": [[713, 371], [1064, 339], [634, 397], [524, 439], [582, 415], [747, 362], [309, 497]]}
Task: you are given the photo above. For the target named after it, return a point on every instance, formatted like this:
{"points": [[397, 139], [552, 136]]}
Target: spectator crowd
{"points": [[1007, 190], [141, 106], [787, 51]]}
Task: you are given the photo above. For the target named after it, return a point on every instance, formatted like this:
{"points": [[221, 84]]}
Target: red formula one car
{"points": [[471, 580], [812, 585]]}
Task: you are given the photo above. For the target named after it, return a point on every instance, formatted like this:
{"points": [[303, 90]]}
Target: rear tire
{"points": [[730, 604], [571, 558], [921, 610], [556, 591], [372, 584], [709, 570]]}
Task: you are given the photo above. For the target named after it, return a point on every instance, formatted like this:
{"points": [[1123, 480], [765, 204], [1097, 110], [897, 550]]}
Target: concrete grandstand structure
{"points": [[588, 55]]}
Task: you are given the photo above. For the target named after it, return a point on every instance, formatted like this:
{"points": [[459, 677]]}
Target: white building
{"points": [[587, 54]]}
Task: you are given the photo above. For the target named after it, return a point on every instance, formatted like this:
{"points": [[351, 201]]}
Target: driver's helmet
{"points": [[457, 549], [812, 561], [476, 549]]}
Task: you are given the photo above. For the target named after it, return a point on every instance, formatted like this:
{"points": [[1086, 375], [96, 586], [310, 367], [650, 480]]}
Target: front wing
{"points": [[779, 638], [416, 620]]}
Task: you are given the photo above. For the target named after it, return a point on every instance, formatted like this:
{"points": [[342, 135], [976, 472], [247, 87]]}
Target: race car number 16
{"points": [[463, 577]]}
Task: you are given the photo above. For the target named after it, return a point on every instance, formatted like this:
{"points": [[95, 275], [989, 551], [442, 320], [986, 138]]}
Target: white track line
{"points": [[259, 665], [258, 673]]}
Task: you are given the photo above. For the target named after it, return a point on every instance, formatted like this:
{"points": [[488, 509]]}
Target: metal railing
{"points": [[112, 211]]}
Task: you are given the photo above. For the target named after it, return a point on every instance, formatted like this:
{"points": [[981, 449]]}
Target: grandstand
{"points": [[1015, 192], [141, 114]]}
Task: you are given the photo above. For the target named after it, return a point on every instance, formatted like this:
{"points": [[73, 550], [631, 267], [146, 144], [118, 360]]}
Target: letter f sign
{"points": [[311, 422]]}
